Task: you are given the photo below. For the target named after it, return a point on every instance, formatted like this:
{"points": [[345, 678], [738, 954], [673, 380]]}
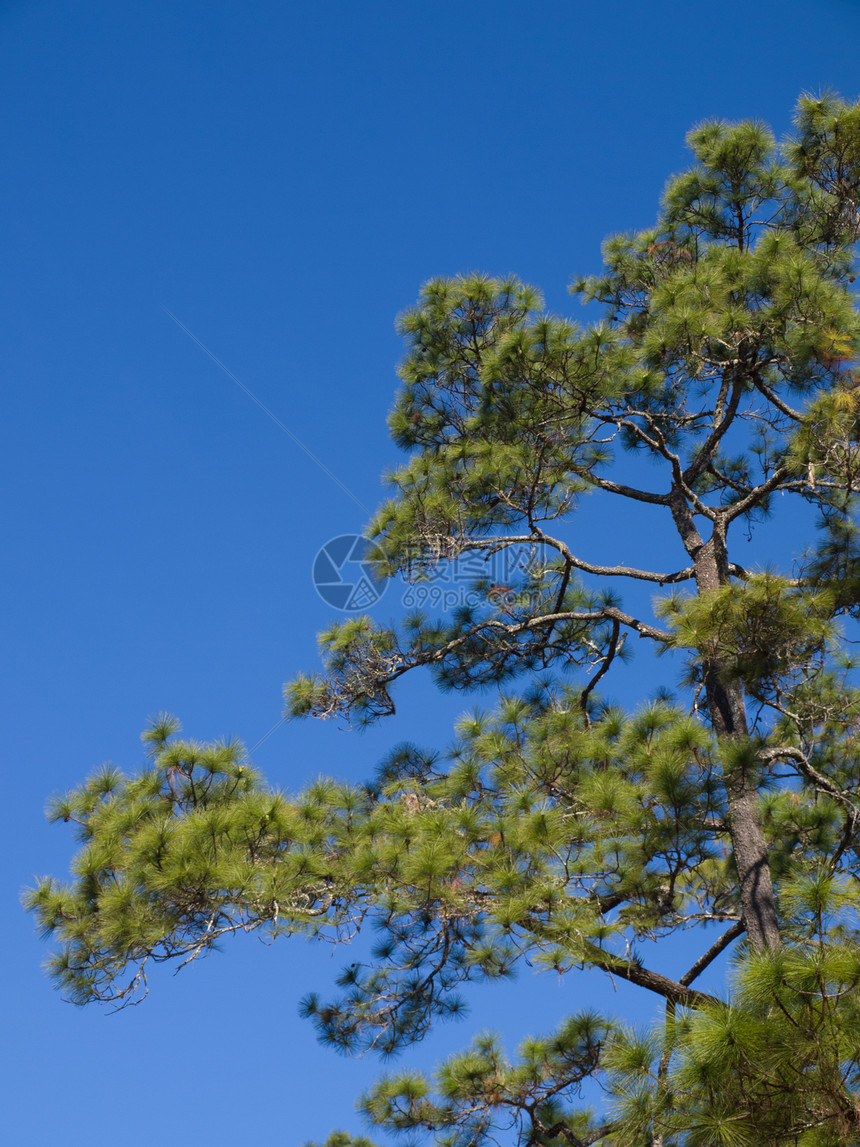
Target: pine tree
{"points": [[562, 829]]}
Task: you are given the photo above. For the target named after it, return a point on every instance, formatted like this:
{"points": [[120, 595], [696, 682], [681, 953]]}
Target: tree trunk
{"points": [[729, 722]]}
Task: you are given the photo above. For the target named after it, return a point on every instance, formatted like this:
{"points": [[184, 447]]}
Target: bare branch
{"points": [[561, 1130], [513, 629], [756, 495], [604, 668], [704, 455], [774, 398], [538, 535], [624, 491], [715, 949], [789, 752], [677, 992]]}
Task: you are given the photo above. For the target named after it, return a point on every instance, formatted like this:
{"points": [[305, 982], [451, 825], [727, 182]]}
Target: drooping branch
{"points": [[370, 661], [513, 629]]}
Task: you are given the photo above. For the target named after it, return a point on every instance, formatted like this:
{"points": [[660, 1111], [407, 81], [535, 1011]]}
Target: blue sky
{"points": [[281, 177]]}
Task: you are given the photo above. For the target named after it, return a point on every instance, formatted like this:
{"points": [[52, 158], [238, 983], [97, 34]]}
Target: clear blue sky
{"points": [[282, 177]]}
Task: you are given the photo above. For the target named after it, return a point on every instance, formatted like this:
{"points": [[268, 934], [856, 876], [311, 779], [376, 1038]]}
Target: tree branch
{"points": [[704, 456], [561, 1130], [788, 752], [604, 668], [538, 535], [774, 398], [757, 495], [674, 990], [718, 946], [608, 613], [625, 491]]}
